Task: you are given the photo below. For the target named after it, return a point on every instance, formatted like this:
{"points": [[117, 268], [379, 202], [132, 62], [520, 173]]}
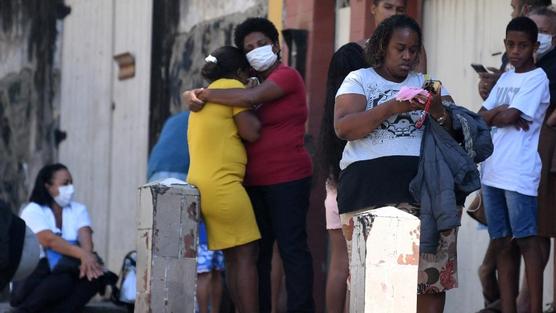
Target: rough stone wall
{"points": [[192, 29], [29, 84]]}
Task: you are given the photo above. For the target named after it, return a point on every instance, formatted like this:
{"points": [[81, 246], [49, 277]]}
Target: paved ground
{"points": [[93, 307]]}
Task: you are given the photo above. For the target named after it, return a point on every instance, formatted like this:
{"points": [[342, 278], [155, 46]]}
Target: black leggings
{"points": [[44, 291]]}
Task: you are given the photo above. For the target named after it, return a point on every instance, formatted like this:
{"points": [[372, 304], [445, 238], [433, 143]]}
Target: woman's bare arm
{"points": [[243, 97], [248, 125], [352, 122]]}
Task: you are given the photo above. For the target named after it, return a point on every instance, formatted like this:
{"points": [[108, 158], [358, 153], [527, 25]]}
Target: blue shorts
{"points": [[208, 260], [509, 213]]}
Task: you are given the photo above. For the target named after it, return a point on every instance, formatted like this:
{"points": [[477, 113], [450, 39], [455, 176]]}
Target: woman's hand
{"points": [[89, 267], [190, 99], [415, 104]]}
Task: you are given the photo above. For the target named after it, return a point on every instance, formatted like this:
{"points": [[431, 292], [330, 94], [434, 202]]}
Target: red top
{"points": [[279, 155]]}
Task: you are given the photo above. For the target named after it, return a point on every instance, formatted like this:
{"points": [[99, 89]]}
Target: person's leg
{"points": [[216, 287], [289, 203], [487, 276], [500, 231], [431, 303], [262, 213], [52, 289], [531, 251], [523, 218], [241, 263], [215, 291], [277, 277], [508, 281], [338, 272], [203, 287], [204, 268], [83, 291]]}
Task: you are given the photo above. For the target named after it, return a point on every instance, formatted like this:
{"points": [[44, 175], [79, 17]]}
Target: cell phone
{"points": [[432, 86], [479, 68]]}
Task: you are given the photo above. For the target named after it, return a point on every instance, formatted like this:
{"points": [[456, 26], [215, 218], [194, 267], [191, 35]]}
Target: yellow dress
{"points": [[217, 167]]}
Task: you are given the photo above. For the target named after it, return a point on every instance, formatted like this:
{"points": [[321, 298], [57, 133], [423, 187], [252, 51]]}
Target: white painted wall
{"points": [[106, 119], [86, 115], [458, 33], [341, 36]]}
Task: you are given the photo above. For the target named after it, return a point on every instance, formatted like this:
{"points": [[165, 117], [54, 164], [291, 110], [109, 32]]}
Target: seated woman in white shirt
{"points": [[69, 273]]}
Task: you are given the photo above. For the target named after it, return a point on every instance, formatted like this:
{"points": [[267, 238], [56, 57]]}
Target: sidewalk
{"points": [[92, 307]]}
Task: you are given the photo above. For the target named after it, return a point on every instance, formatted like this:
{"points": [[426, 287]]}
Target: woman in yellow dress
{"points": [[217, 168]]}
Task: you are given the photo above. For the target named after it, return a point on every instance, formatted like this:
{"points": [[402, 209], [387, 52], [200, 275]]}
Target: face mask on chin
{"points": [[545, 44], [65, 195], [262, 58]]}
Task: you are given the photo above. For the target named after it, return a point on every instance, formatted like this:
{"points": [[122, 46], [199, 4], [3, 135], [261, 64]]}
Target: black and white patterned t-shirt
{"points": [[397, 136]]}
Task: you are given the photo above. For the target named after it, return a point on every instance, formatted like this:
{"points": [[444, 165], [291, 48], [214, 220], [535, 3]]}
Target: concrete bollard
{"points": [[384, 262], [167, 247]]}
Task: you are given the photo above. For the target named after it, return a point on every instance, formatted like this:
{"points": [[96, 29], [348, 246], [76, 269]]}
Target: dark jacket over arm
{"points": [[447, 172]]}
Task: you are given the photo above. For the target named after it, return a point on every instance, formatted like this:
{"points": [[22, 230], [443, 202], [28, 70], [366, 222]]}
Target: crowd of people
{"points": [[375, 154], [390, 136]]}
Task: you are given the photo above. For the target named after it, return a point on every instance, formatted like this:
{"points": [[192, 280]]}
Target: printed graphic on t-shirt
{"points": [[401, 125], [505, 95]]}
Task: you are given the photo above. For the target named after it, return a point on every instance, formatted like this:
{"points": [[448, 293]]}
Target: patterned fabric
{"points": [[437, 272], [208, 260]]}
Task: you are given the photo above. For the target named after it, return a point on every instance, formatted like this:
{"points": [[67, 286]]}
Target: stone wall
{"points": [[29, 84], [184, 33]]}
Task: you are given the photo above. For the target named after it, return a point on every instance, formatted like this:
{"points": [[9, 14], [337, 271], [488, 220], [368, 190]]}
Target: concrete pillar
{"points": [[384, 262], [167, 247]]}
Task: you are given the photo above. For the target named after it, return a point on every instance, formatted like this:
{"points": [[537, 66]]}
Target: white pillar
{"points": [[384, 262], [167, 248]]}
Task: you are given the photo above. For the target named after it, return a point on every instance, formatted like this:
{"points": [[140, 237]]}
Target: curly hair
{"points": [[350, 57], [255, 24], [228, 61], [378, 43]]}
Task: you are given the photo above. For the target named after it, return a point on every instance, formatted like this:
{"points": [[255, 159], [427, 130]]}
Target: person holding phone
{"points": [[382, 153]]}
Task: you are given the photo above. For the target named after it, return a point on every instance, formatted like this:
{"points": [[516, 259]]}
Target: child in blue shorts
{"points": [[210, 265], [515, 110]]}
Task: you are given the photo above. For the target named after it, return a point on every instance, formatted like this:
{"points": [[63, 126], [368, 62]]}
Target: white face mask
{"points": [[545, 44], [65, 195], [262, 58]]}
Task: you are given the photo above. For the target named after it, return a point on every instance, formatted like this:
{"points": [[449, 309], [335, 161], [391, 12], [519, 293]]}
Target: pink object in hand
{"points": [[408, 93]]}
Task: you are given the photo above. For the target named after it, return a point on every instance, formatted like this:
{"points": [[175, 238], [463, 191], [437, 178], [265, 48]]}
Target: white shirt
{"points": [[515, 164], [397, 136], [39, 218]]}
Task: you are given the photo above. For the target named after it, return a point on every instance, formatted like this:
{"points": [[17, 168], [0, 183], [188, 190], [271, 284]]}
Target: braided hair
{"points": [[378, 43]]}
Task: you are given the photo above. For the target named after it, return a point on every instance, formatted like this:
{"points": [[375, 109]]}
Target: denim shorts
{"points": [[208, 260], [509, 213]]}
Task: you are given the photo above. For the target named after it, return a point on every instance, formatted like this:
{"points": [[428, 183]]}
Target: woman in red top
{"points": [[279, 170]]}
